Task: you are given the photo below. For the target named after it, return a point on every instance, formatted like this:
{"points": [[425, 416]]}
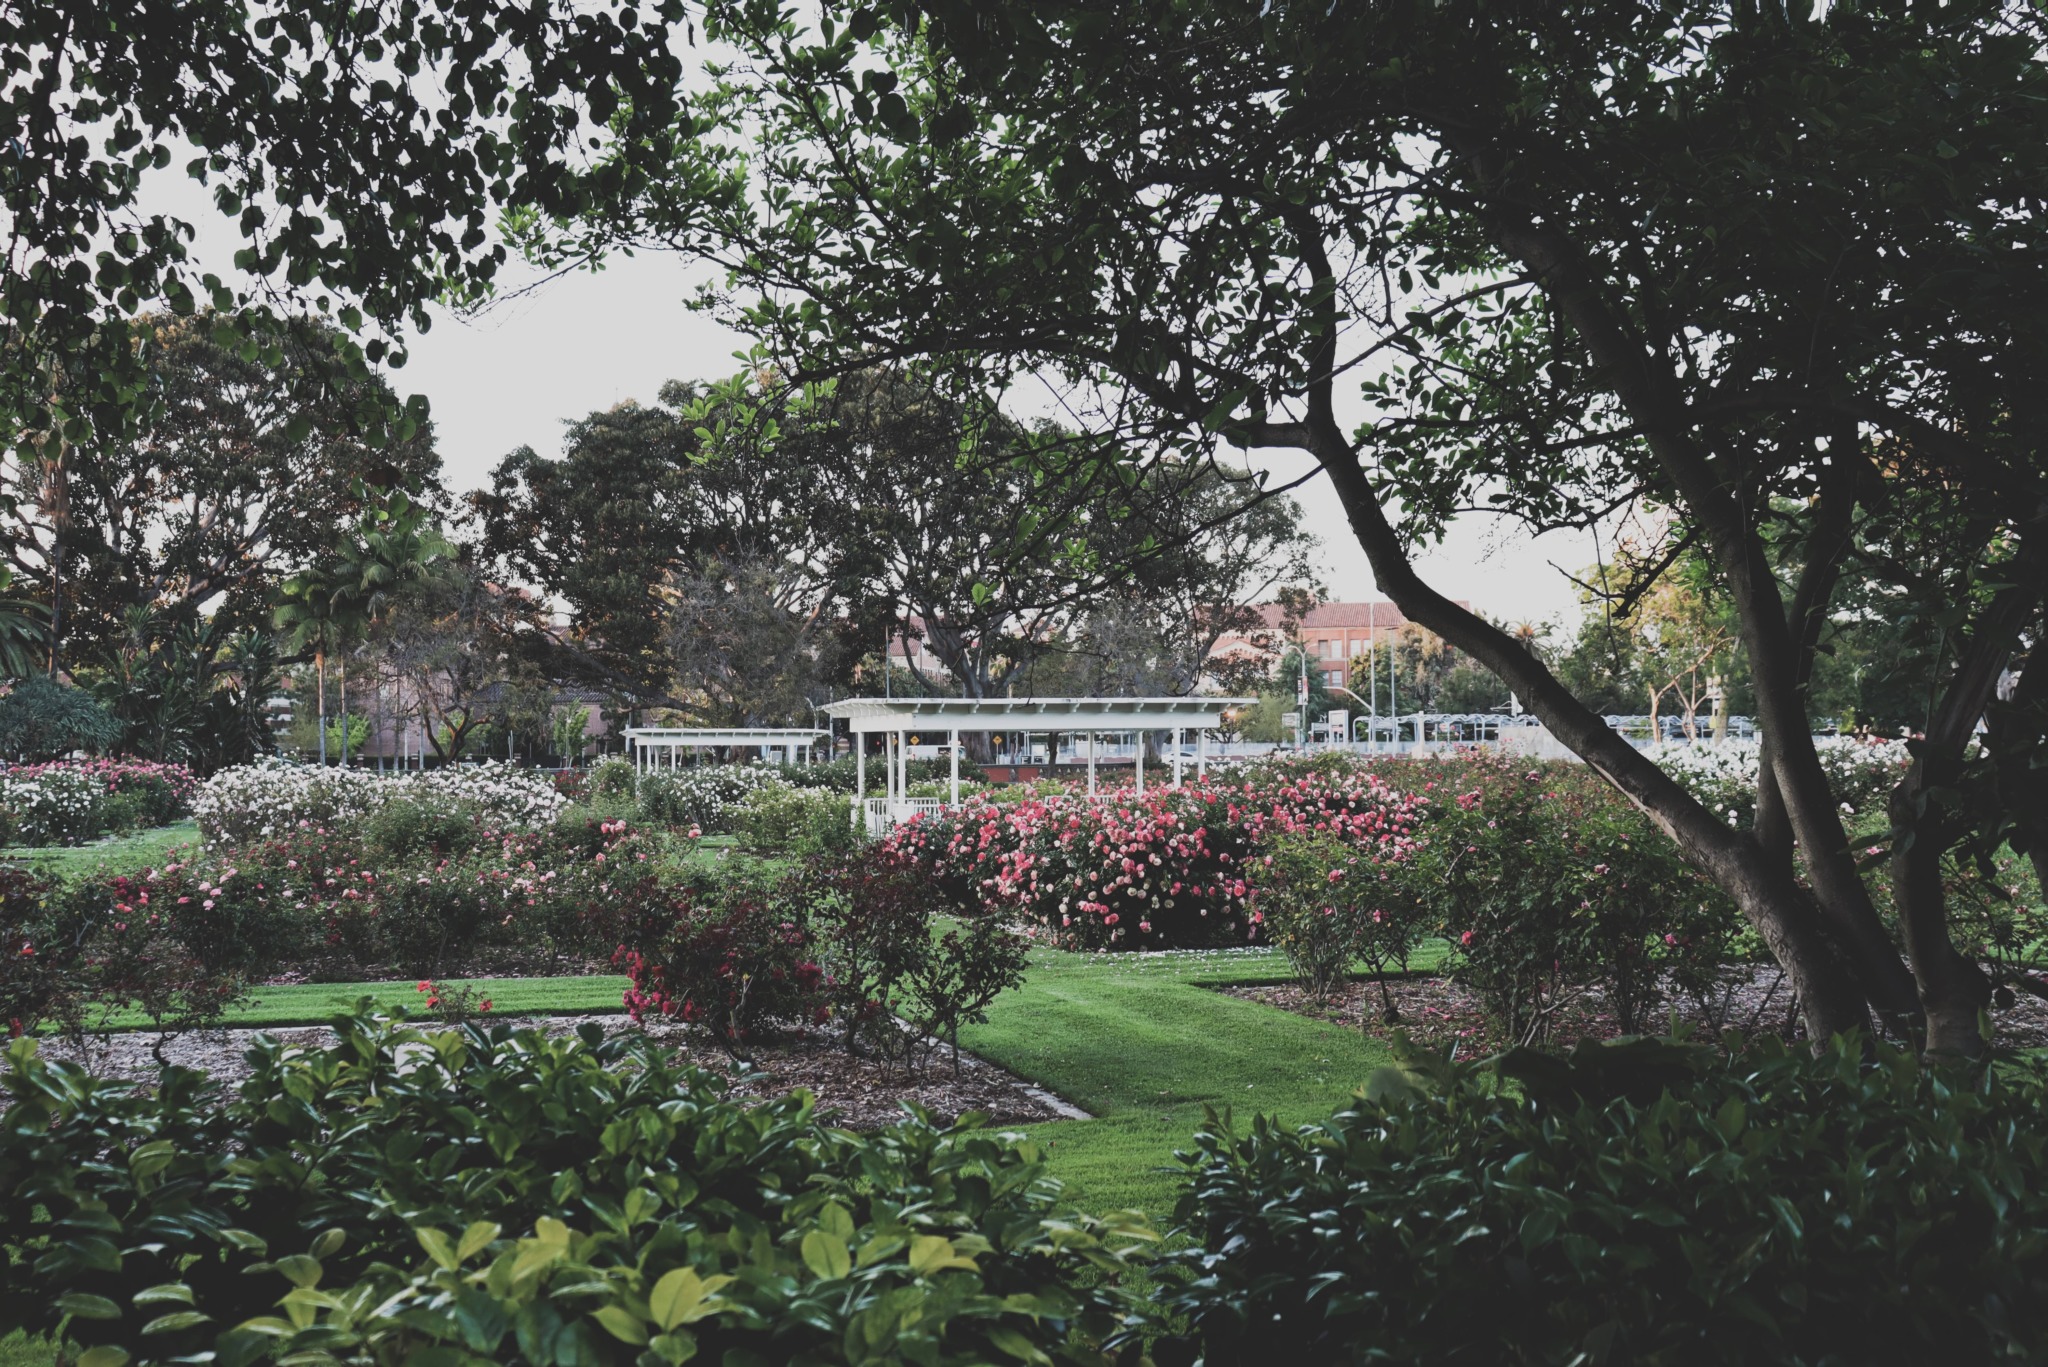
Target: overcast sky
{"points": [[584, 342]]}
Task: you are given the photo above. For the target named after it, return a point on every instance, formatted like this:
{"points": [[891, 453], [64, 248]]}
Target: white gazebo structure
{"points": [[896, 719], [661, 747]]}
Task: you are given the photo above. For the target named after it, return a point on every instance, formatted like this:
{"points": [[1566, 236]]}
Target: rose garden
{"points": [[936, 684], [521, 977]]}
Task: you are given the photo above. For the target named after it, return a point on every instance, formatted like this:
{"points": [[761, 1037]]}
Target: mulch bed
{"points": [[1754, 999], [854, 1092]]}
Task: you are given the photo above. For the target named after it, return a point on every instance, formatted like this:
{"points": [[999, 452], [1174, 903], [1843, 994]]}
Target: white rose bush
{"points": [[1723, 777], [274, 796]]}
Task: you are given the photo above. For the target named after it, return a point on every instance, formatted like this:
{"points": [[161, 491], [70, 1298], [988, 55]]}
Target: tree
{"points": [[746, 652], [190, 691], [460, 647], [1599, 253], [642, 499], [250, 466], [834, 518], [21, 630], [359, 154], [1289, 673], [41, 719]]}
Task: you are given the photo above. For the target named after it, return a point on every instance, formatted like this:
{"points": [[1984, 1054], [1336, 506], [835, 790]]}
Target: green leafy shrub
{"points": [[1327, 906], [1644, 1201], [41, 719], [611, 780], [486, 1195], [781, 818], [898, 984], [1546, 880], [404, 827]]}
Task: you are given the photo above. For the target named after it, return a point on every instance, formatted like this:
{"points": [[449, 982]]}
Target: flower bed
{"points": [[1861, 774], [273, 797], [312, 901], [68, 802], [1171, 869]]}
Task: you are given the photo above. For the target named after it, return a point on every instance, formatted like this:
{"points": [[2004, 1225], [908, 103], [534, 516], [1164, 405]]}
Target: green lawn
{"points": [[1143, 1043], [119, 854], [317, 1003]]}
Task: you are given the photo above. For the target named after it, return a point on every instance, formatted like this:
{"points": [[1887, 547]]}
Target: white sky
{"points": [[585, 342]]}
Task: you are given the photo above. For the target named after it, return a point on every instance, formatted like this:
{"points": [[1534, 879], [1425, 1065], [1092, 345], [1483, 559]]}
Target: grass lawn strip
{"points": [[318, 1003], [120, 854], [1143, 1043]]}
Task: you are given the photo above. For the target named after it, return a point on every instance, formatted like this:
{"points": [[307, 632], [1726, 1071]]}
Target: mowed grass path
{"points": [[1144, 1043]]}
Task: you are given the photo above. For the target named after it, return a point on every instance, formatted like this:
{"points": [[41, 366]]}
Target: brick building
{"points": [[1332, 634]]}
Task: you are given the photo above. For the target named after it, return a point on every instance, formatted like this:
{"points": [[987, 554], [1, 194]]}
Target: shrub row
{"points": [[1643, 1201], [508, 1197], [1173, 868], [501, 1196], [69, 802], [276, 797]]}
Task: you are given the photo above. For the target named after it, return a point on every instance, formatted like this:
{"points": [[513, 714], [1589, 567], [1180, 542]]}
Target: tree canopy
{"points": [[1774, 269]]}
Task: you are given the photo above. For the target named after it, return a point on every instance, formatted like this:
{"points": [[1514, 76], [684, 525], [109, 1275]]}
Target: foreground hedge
{"points": [[1643, 1202], [499, 1196]]}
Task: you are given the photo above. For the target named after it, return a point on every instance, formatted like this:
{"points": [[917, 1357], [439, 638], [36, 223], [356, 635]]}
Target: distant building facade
{"points": [[1330, 634]]}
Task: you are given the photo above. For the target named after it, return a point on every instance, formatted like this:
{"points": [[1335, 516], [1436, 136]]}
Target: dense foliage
{"points": [[492, 1196], [1642, 1202], [41, 719]]}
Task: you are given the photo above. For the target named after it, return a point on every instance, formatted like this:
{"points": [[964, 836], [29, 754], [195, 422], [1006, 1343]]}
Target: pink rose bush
{"points": [[1175, 868]]}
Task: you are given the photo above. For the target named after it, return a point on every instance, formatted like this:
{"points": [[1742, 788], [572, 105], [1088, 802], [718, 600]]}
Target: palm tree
{"points": [[318, 611], [392, 545]]}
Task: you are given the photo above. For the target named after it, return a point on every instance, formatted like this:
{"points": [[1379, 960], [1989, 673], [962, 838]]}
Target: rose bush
{"points": [[68, 802], [1546, 881], [1173, 868], [1328, 905], [255, 801], [312, 900]]}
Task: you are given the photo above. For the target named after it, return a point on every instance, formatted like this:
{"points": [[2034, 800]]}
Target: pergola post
{"points": [[860, 767], [1141, 763], [1178, 732], [1201, 753], [1091, 764], [955, 747]]}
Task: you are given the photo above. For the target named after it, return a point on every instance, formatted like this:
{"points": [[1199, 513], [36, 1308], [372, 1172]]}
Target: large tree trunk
{"points": [[2016, 734], [1953, 990], [1832, 1000]]}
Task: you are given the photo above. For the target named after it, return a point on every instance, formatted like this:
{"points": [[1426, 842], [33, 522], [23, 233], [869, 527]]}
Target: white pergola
{"points": [[896, 719], [659, 747]]}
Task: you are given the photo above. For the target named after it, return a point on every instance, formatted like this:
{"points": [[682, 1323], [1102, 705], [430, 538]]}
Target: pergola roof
{"points": [[698, 736], [863, 715]]}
